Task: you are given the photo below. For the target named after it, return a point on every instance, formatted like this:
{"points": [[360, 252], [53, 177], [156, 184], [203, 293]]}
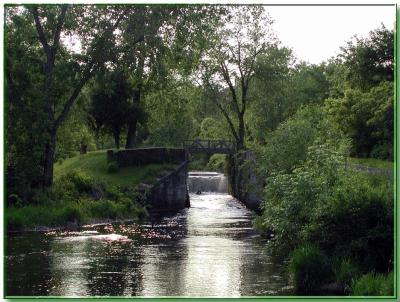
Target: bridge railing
{"points": [[210, 146]]}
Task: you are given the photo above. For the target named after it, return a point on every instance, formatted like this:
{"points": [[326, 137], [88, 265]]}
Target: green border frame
{"points": [[396, 182]]}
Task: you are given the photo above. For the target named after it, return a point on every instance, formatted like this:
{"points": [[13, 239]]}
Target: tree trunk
{"points": [[49, 161], [240, 140], [132, 125], [116, 139], [131, 136]]}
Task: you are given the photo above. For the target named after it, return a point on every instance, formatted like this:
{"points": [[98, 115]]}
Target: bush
{"points": [[291, 198], [217, 163], [356, 221], [103, 209], [72, 212], [112, 167], [287, 146], [310, 269], [81, 181], [345, 272], [374, 285]]}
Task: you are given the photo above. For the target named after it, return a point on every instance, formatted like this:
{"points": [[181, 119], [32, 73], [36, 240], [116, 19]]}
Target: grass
{"points": [[95, 165], [374, 285], [56, 214], [372, 162], [84, 190]]}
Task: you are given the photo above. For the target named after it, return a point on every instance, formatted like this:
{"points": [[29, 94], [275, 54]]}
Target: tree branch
{"points": [[39, 29], [56, 39], [225, 74], [225, 114], [87, 74]]}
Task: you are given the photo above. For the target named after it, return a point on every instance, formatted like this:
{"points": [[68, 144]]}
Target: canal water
{"points": [[209, 249]]}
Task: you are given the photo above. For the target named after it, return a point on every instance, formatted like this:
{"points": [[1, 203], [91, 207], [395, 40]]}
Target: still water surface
{"points": [[209, 249]]}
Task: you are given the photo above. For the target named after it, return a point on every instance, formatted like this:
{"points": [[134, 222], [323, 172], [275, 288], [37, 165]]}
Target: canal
{"points": [[209, 249]]}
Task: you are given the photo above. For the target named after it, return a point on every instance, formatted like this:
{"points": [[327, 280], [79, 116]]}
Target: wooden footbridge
{"points": [[210, 146]]}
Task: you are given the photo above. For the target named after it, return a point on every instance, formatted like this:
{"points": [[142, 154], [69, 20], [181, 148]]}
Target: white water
{"points": [[207, 182]]}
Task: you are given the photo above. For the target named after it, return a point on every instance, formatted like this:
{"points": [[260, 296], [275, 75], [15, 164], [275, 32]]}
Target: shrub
{"points": [[374, 285], [217, 163], [356, 221], [310, 269], [103, 209], [112, 167], [72, 212], [81, 181], [345, 272], [290, 198], [287, 146]]}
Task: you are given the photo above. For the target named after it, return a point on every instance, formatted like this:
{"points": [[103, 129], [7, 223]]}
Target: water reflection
{"points": [[209, 249]]}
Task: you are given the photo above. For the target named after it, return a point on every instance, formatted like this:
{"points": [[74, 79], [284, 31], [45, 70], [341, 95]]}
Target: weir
{"points": [[207, 182]]}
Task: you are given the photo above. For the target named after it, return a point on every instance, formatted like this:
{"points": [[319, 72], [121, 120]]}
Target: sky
{"points": [[315, 33]]}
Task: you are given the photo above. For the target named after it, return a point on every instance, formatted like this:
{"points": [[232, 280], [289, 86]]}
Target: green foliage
{"points": [[309, 84], [73, 199], [345, 272], [171, 119], [198, 162], [112, 167], [80, 180], [370, 60], [75, 133], [258, 223], [281, 88], [271, 94], [217, 162], [25, 119], [374, 285], [372, 162], [310, 268], [290, 198], [356, 221], [211, 128], [287, 146], [367, 118]]}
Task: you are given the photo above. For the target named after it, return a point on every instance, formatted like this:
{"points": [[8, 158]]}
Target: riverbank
{"points": [[86, 189]]}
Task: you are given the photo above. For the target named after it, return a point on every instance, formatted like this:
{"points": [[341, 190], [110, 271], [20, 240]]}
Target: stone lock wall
{"points": [[168, 193], [171, 191]]}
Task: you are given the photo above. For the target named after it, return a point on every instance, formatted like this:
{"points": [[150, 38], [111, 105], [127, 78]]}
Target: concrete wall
{"points": [[252, 186], [169, 192]]}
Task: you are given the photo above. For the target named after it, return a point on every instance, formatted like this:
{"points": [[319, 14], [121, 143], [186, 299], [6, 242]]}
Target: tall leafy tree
{"points": [[271, 97], [244, 34], [63, 75], [369, 61], [173, 39]]}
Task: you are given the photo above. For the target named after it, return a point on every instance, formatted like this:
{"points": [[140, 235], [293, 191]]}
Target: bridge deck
{"points": [[210, 146]]}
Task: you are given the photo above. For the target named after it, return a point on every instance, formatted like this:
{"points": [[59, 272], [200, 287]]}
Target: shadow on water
{"points": [[209, 249]]}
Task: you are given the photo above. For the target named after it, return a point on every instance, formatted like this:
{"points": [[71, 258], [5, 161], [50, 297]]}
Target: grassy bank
{"points": [[372, 163], [85, 190], [94, 164]]}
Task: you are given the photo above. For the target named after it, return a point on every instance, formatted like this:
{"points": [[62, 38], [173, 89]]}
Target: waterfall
{"points": [[207, 182]]}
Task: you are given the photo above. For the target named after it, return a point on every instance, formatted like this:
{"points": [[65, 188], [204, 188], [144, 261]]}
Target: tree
{"points": [[244, 34], [271, 92], [370, 60], [362, 95], [96, 28], [111, 104], [173, 39], [367, 118]]}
